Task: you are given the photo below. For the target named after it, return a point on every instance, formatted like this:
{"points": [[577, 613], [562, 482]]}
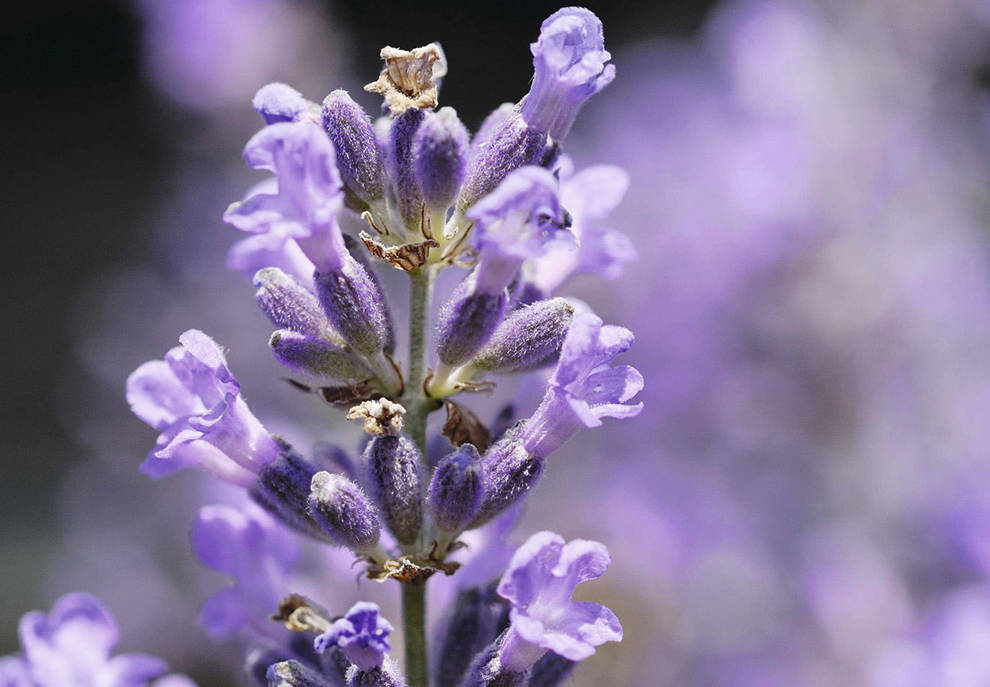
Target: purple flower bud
{"points": [[551, 670], [478, 616], [359, 253], [530, 337], [279, 102], [399, 165], [316, 358], [393, 475], [283, 489], [539, 582], [455, 491], [358, 156], [511, 146], [343, 510], [486, 669], [290, 305], [355, 305], [508, 472], [362, 635], [440, 150], [467, 320], [570, 63], [295, 674], [387, 675], [194, 401]]}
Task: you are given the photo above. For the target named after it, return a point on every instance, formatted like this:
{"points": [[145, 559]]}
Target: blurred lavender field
{"points": [[805, 499]]}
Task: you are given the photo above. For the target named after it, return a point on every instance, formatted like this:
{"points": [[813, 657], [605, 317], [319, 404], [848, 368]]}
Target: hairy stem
{"points": [[418, 407]]}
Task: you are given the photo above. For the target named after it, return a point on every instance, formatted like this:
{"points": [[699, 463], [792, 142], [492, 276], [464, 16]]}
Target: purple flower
{"points": [[249, 546], [309, 193], [584, 388], [514, 223], [589, 196], [362, 635], [194, 401], [71, 647], [279, 102], [570, 63], [539, 582]]}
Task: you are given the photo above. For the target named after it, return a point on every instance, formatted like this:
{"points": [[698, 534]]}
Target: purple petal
{"points": [[132, 670], [225, 613], [156, 396], [583, 626], [531, 568], [582, 560], [77, 636], [279, 102]]}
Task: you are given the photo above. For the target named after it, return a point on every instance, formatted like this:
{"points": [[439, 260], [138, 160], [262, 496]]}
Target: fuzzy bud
{"points": [[393, 474], [295, 674], [508, 473], [290, 305], [316, 357], [358, 156], [529, 338], [344, 512], [455, 491], [399, 163], [478, 616], [440, 149], [355, 305], [283, 489], [467, 320]]}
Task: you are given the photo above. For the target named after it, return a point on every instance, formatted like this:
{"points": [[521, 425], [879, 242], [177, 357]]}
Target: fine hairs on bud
{"points": [[358, 155], [316, 358], [283, 490], [289, 305], [344, 512], [440, 150], [455, 490], [355, 305], [393, 474], [530, 337], [467, 320], [295, 674]]}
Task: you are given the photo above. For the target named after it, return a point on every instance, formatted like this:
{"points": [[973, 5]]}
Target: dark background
{"points": [[85, 155]]}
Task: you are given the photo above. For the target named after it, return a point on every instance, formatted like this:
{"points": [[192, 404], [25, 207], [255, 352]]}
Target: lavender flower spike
{"points": [[583, 388], [539, 583], [71, 647], [362, 634], [571, 65], [194, 401]]}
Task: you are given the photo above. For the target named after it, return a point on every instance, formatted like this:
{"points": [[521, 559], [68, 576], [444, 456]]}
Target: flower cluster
{"points": [[416, 192]]}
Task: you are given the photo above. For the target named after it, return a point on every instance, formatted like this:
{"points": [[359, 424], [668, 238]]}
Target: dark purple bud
{"points": [[551, 670], [467, 320], [440, 150], [478, 616], [393, 475], [359, 253], [279, 102], [384, 676], [358, 156], [528, 338], [295, 674], [508, 472], [399, 165], [486, 670], [283, 490], [512, 146], [290, 305], [355, 305], [455, 491], [316, 357], [344, 512]]}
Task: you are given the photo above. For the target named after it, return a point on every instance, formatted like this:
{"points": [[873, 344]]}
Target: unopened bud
{"points": [[295, 674], [344, 512], [528, 338], [283, 488], [508, 473], [316, 357], [290, 305], [355, 305], [440, 150], [358, 157], [477, 617], [393, 474], [455, 491], [399, 163], [467, 320]]}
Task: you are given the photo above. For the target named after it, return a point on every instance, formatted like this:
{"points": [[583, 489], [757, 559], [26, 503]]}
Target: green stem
{"points": [[418, 407], [414, 625]]}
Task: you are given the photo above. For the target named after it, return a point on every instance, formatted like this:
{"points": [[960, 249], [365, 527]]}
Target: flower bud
{"points": [[399, 164], [479, 615], [467, 320], [455, 491], [512, 146], [528, 338], [341, 508], [316, 357], [283, 489], [355, 305], [508, 473], [295, 674], [440, 149], [289, 305], [551, 670], [358, 156], [393, 474]]}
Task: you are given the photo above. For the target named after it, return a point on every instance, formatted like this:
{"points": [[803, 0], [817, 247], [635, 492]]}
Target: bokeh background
{"points": [[805, 499]]}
